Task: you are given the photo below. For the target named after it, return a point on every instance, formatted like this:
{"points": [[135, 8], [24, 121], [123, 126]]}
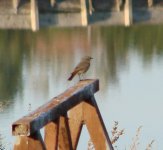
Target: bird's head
{"points": [[87, 58]]}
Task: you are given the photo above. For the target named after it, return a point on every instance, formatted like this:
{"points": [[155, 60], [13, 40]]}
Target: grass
{"points": [[116, 133]]}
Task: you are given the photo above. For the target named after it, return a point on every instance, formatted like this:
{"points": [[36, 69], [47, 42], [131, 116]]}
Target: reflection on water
{"points": [[128, 62]]}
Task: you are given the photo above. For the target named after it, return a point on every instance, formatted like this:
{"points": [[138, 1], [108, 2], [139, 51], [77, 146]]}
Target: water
{"points": [[128, 62]]}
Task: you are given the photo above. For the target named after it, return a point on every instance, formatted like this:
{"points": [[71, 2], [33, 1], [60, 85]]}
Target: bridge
{"points": [[27, 14]]}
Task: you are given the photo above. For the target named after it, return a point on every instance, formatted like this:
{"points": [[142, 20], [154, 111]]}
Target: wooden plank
{"points": [[96, 127], [54, 108], [51, 135], [75, 120], [33, 142], [64, 139]]}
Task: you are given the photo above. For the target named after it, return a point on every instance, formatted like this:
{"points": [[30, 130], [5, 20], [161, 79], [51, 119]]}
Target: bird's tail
{"points": [[72, 75]]}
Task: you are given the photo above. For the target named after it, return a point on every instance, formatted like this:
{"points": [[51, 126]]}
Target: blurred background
{"points": [[34, 68]]}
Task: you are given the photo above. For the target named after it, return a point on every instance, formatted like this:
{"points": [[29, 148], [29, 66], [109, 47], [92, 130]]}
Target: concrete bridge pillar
{"points": [[117, 5], [34, 15], [52, 2], [128, 16], [15, 4], [84, 20], [150, 3]]}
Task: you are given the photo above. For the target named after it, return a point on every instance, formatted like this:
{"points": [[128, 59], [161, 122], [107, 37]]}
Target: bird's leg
{"points": [[79, 77], [83, 76]]}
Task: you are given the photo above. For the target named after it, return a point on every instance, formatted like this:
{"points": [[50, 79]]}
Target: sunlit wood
{"points": [[51, 135], [32, 142], [63, 118], [75, 116], [96, 127], [64, 139]]}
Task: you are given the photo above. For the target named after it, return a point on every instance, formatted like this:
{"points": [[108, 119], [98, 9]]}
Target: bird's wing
{"points": [[81, 65]]}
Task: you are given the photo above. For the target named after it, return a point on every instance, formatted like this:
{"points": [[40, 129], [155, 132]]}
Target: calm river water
{"points": [[34, 68]]}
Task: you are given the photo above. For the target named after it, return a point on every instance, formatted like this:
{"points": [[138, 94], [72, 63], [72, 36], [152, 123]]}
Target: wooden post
{"points": [[88, 113], [51, 135], [31, 142], [34, 15], [117, 5], [63, 118], [75, 121], [96, 127], [64, 139], [128, 18], [84, 19], [150, 3]]}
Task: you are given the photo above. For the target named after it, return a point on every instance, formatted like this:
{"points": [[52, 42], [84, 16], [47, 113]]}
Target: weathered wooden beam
{"points": [[64, 139], [55, 108], [95, 125], [51, 135], [32, 142], [150, 3], [87, 113], [75, 120]]}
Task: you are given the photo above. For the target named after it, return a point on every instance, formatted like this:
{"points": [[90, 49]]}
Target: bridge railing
{"points": [[62, 119]]}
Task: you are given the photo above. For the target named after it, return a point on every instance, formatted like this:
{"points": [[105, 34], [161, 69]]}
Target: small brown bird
{"points": [[81, 68]]}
